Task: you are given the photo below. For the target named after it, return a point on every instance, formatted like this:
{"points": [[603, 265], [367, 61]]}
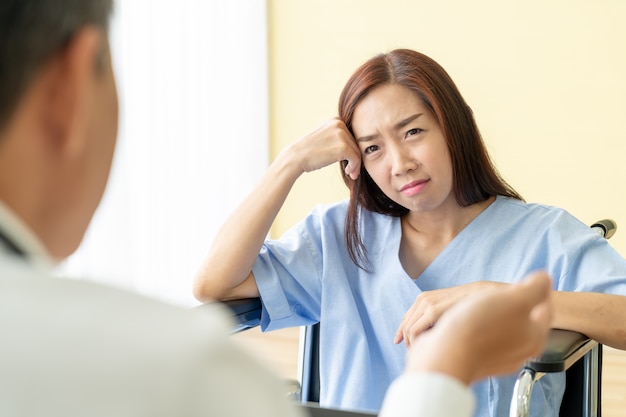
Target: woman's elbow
{"points": [[200, 293], [205, 289]]}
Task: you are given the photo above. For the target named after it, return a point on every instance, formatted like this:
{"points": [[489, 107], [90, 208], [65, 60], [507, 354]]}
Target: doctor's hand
{"points": [[331, 142], [429, 306], [487, 334]]}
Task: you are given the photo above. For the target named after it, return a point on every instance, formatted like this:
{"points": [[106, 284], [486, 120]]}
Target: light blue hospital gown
{"points": [[307, 276]]}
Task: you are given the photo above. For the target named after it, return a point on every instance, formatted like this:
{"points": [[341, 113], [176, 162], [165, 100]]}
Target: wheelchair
{"points": [[566, 351]]}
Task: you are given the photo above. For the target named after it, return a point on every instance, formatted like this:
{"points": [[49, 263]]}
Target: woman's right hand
{"points": [[329, 143]]}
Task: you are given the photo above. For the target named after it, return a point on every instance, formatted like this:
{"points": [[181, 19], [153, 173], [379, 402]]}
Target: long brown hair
{"points": [[475, 177]]}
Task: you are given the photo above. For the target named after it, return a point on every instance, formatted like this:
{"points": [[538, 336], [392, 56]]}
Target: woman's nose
{"points": [[401, 160]]}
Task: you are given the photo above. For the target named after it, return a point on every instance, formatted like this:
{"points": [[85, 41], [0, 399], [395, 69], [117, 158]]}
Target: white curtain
{"points": [[193, 140]]}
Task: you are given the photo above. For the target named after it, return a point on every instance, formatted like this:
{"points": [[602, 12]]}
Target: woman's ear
{"points": [[69, 82]]}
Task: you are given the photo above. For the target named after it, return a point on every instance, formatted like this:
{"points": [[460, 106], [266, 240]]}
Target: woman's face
{"points": [[403, 148]]}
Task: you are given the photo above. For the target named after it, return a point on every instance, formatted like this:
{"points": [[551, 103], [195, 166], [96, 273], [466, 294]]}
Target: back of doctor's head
{"points": [[31, 33]]}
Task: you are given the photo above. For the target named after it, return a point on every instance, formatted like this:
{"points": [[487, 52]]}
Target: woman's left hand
{"points": [[429, 306]]}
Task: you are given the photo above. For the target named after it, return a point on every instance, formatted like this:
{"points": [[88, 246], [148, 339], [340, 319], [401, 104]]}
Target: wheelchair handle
{"points": [[606, 227]]}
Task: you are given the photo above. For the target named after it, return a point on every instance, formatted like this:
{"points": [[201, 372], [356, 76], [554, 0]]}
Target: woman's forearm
{"points": [[229, 262], [226, 272], [601, 317]]}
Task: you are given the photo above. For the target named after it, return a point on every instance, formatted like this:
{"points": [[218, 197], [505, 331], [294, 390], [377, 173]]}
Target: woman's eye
{"points": [[413, 132], [370, 149]]}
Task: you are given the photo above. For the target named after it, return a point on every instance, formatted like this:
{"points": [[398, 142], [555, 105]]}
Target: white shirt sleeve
{"points": [[427, 394]]}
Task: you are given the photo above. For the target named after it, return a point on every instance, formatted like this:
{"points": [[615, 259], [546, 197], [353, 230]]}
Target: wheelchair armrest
{"points": [[314, 410], [246, 312], [563, 348]]}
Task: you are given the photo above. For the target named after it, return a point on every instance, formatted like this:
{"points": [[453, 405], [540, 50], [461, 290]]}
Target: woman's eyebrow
{"points": [[366, 138], [402, 123]]}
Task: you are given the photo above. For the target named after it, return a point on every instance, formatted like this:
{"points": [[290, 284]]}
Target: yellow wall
{"points": [[546, 80]]}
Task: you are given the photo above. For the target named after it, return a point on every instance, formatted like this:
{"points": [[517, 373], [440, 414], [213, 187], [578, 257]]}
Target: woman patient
{"points": [[429, 221]]}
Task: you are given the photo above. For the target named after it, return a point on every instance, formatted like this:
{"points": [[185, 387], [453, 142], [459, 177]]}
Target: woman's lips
{"points": [[414, 187]]}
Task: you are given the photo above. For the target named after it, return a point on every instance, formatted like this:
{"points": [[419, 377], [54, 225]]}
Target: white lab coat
{"points": [[75, 348]]}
